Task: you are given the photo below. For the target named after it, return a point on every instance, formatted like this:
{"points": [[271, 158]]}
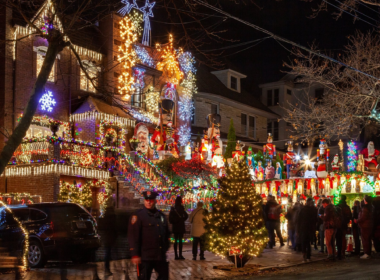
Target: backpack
{"points": [[273, 213]]}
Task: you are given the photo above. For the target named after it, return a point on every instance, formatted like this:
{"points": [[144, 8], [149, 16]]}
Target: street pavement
{"points": [[279, 258]]}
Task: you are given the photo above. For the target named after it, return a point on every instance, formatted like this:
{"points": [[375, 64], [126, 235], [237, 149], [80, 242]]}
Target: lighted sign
{"points": [[47, 101]]}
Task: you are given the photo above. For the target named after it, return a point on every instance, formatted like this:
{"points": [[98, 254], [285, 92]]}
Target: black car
{"points": [[52, 227]]}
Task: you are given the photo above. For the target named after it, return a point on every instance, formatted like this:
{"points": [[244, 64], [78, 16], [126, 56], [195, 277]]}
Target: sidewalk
{"points": [[186, 269]]}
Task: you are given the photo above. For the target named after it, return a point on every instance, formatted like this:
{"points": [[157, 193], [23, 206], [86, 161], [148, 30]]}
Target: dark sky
{"points": [[287, 18]]}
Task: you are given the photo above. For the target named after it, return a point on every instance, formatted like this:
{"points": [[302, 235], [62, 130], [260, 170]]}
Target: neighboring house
{"points": [[220, 92], [277, 96]]}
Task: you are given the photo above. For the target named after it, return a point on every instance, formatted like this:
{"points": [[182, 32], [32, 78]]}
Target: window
{"points": [[137, 98], [269, 127], [37, 215], [86, 84], [269, 97], [319, 94], [117, 42], [251, 131], [288, 91], [234, 83], [276, 97], [244, 124], [214, 109], [22, 214], [40, 61], [275, 130]]}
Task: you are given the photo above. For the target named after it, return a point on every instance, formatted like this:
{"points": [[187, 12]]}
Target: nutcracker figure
{"points": [[204, 147], [165, 137], [215, 144], [289, 158], [269, 149], [322, 157], [238, 153]]}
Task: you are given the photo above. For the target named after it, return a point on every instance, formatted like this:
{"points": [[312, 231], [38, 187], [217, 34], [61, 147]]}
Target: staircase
{"points": [[7, 262]]}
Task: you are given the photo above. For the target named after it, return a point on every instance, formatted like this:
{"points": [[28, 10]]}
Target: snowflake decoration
{"points": [[127, 7], [144, 56], [187, 62], [184, 134], [47, 101], [186, 109]]}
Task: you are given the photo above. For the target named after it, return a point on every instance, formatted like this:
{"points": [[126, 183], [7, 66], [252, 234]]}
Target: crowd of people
{"points": [[326, 226]]}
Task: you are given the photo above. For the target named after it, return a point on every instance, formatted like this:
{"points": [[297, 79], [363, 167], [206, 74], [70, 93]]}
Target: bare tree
{"points": [[350, 100]]}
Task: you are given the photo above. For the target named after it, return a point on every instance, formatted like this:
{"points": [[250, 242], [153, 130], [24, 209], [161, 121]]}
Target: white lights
{"points": [[143, 55], [47, 101], [298, 157], [184, 134], [186, 108]]}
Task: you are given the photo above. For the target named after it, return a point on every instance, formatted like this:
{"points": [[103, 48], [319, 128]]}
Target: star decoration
{"points": [[127, 7], [147, 12]]}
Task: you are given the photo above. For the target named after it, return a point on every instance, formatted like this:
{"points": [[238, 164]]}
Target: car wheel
{"points": [[36, 256]]}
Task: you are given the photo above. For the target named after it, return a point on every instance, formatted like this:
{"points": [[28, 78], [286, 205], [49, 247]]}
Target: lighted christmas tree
{"points": [[231, 141], [75, 194], [352, 157], [64, 192], [236, 221], [86, 196]]}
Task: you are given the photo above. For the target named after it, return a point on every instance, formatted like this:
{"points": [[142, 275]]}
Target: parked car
{"points": [[49, 224]]}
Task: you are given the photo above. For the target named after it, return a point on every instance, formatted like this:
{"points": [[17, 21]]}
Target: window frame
{"points": [[236, 84], [250, 126], [87, 65], [41, 52], [217, 108], [276, 97], [269, 97]]}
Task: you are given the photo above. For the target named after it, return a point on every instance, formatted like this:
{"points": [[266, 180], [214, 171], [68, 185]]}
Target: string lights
{"points": [[352, 157]]}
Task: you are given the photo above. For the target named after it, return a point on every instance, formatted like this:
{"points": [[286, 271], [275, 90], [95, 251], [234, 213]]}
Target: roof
{"points": [[98, 105], [209, 83]]}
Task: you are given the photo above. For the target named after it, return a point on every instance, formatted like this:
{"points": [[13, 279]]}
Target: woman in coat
{"points": [[365, 222], [197, 230], [177, 218]]}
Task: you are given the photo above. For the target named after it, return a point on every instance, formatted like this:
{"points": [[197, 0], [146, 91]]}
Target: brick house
{"points": [[220, 92], [95, 123]]}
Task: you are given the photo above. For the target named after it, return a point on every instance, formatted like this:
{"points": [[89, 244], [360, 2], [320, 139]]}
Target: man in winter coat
{"points": [[307, 220], [320, 226], [197, 230], [346, 216], [330, 228], [291, 228], [273, 211], [365, 223]]}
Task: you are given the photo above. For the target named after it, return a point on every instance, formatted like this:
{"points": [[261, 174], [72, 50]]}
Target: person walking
{"points": [[307, 220], [109, 236], [365, 222], [197, 230], [297, 238], [320, 225], [376, 224], [355, 226], [177, 218], [329, 225], [291, 227], [149, 239], [273, 211], [346, 217]]}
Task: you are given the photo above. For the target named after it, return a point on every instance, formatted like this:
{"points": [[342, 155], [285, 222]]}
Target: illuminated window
{"points": [[40, 61], [85, 83]]}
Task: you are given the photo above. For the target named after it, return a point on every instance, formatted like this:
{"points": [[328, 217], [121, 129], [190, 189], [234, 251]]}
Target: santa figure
{"points": [[370, 155], [269, 149], [141, 133], [215, 144], [269, 171], [289, 158], [322, 157], [335, 164], [165, 137], [249, 159], [278, 173], [259, 172]]}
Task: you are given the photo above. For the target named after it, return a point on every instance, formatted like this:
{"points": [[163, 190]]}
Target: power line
{"points": [[237, 45], [361, 3], [356, 11], [284, 39]]}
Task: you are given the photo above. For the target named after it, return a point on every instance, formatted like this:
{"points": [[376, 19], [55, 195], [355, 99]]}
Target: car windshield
{"points": [[65, 213]]}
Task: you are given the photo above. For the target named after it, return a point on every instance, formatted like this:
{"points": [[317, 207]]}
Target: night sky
{"points": [[287, 18]]}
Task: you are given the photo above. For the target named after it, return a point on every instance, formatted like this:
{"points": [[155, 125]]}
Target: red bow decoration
{"points": [[278, 184], [308, 184]]}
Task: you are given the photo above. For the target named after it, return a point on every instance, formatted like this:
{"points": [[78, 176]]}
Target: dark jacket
{"points": [[148, 235], [109, 234], [307, 220], [289, 216], [177, 218], [329, 217], [321, 212], [346, 214], [272, 207], [365, 219]]}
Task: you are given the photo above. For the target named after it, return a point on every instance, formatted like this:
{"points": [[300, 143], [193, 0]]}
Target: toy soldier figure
{"points": [[148, 237], [289, 158], [269, 149], [213, 133], [322, 158], [165, 136]]}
